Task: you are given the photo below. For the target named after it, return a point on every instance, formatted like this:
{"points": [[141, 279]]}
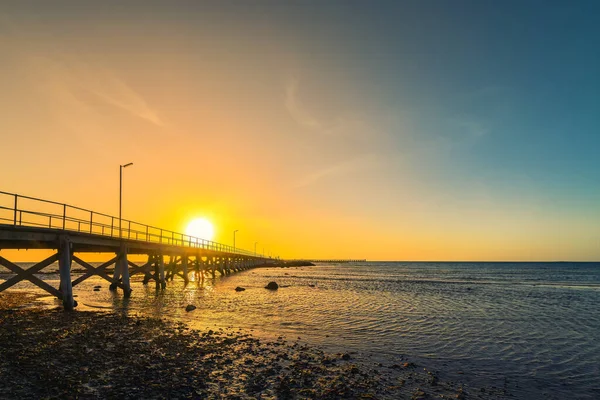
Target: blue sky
{"points": [[434, 123]]}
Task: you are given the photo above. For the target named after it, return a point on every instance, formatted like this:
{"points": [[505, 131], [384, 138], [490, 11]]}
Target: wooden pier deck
{"points": [[32, 223]]}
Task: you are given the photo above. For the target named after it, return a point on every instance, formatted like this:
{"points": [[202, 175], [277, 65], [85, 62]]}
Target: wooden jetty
{"points": [[32, 223]]}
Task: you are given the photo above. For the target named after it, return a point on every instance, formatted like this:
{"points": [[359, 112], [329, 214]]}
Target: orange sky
{"points": [[255, 131]]}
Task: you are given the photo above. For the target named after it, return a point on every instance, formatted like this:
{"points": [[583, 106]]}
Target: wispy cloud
{"points": [[342, 168], [346, 124], [118, 93], [52, 66], [297, 110], [76, 79]]}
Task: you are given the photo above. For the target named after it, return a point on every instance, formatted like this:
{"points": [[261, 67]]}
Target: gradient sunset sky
{"points": [[400, 130]]}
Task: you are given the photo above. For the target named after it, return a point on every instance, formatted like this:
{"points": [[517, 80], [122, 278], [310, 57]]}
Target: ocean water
{"points": [[530, 328]]}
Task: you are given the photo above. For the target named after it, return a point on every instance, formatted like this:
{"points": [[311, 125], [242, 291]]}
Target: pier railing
{"points": [[18, 210]]}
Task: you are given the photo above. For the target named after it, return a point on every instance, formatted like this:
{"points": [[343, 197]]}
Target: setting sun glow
{"points": [[200, 228]]}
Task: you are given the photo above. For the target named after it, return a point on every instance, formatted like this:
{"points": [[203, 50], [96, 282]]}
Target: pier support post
{"points": [[156, 271], [64, 266], [184, 268], [172, 268], [148, 269], [220, 265], [198, 268], [203, 269], [116, 273], [125, 271], [167, 267], [161, 269]]}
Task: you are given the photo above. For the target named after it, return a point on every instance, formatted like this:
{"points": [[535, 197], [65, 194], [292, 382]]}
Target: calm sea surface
{"points": [[532, 328]]}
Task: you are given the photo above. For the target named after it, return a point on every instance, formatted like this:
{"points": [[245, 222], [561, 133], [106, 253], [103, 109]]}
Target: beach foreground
{"points": [[52, 354]]}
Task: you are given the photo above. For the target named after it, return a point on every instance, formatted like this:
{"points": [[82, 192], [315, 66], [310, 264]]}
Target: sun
{"points": [[200, 228]]}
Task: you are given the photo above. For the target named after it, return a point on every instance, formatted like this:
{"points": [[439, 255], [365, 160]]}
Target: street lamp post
{"points": [[255, 243], [234, 239], [121, 194]]}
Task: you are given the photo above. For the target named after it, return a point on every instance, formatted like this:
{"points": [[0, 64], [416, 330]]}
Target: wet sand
{"points": [[55, 354]]}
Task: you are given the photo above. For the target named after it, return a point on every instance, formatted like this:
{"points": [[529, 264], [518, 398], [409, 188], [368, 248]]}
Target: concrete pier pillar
{"points": [[184, 268], [64, 266], [116, 274], [148, 269], [220, 266], [125, 271], [196, 267], [203, 268], [161, 270], [155, 264], [173, 268], [168, 268]]}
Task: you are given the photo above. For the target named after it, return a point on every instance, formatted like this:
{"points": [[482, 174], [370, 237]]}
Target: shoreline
{"points": [[87, 354]]}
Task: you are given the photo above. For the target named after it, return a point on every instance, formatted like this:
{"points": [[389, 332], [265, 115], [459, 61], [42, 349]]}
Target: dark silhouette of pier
{"points": [[32, 223]]}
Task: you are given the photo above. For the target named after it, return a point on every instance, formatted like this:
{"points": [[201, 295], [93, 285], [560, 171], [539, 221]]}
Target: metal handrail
{"points": [[140, 232]]}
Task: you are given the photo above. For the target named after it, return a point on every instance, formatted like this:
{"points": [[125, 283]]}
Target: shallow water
{"points": [[532, 328]]}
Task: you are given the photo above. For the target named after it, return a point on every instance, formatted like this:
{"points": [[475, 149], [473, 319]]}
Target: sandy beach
{"points": [[57, 354]]}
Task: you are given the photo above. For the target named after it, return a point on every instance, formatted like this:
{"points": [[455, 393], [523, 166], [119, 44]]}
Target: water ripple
{"points": [[531, 327]]}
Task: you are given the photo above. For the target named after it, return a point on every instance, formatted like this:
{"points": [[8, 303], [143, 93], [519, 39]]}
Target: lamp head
{"points": [[127, 165]]}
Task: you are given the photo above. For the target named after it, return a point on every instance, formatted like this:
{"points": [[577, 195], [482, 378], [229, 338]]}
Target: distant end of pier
{"points": [[327, 261]]}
